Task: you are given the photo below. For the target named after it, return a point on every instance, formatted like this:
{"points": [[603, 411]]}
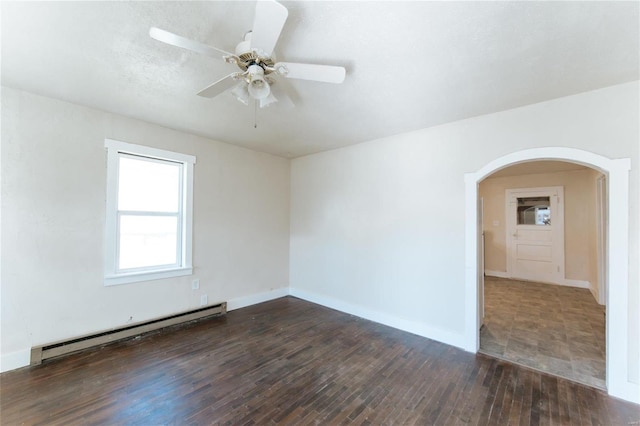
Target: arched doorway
{"points": [[542, 305], [617, 172]]}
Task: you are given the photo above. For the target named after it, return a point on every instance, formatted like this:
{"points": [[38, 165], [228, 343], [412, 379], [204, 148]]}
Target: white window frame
{"points": [[185, 216]]}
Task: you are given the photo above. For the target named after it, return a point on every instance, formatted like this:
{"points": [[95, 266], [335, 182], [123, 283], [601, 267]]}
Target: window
{"points": [[534, 211], [149, 213]]}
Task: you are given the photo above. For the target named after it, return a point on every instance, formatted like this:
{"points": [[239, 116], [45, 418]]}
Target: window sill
{"points": [[146, 276]]}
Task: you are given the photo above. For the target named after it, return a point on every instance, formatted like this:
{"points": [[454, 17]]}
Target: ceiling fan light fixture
{"points": [[269, 100], [241, 93], [258, 86], [259, 89]]}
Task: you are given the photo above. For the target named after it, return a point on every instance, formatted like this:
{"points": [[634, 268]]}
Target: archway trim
{"points": [[617, 171]]}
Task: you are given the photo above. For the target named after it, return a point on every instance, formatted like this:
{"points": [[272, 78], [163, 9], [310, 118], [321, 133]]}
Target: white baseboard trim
{"points": [[14, 360], [498, 274], [254, 299], [627, 391], [566, 282], [576, 283], [413, 327], [595, 294]]}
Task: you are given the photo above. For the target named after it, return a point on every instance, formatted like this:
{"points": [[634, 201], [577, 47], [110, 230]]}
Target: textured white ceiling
{"points": [[410, 65]]}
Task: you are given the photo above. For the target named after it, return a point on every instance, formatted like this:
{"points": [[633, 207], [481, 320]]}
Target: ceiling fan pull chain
{"points": [[255, 114]]}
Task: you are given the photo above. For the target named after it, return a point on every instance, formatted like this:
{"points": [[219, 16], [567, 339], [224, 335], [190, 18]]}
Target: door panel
{"points": [[529, 269], [535, 218], [537, 235], [542, 253]]}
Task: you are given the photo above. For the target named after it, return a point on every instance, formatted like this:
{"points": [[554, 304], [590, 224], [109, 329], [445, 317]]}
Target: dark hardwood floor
{"points": [[292, 362]]}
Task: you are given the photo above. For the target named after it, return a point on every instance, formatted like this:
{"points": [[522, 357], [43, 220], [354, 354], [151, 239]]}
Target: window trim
{"points": [[185, 267]]}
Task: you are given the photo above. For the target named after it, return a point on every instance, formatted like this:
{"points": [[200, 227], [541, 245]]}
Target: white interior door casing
{"points": [[481, 262], [601, 235], [535, 234]]}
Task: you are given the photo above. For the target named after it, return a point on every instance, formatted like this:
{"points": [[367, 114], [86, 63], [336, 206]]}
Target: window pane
{"points": [[148, 185], [148, 241], [534, 211]]}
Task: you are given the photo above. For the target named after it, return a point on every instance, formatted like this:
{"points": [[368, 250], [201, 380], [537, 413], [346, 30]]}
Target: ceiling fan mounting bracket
{"points": [[245, 60], [246, 77]]}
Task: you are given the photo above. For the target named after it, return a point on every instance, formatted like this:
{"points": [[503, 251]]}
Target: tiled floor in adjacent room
{"points": [[552, 328]]}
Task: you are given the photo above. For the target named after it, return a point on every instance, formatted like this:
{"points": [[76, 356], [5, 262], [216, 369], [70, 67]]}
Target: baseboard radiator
{"points": [[50, 350]]}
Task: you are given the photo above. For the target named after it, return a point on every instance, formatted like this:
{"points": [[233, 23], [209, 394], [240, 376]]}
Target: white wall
{"points": [[53, 213], [377, 229]]}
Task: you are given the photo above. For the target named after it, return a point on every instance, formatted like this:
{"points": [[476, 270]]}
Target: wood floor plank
{"points": [[478, 370], [563, 405], [507, 400], [525, 411], [517, 398], [292, 362]]}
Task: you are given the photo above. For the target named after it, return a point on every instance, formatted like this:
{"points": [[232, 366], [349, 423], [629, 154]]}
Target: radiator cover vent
{"points": [[63, 347]]}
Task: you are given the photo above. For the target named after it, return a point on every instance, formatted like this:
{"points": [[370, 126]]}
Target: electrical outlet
{"points": [[195, 284], [203, 300]]}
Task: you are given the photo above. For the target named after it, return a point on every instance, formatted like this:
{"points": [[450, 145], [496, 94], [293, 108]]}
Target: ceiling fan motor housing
{"points": [[245, 45], [248, 56]]}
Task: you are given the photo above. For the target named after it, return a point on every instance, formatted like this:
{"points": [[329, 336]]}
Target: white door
{"points": [[535, 234]]}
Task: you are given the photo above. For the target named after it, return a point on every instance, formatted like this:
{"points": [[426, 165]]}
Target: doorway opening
{"points": [[541, 308], [616, 256]]}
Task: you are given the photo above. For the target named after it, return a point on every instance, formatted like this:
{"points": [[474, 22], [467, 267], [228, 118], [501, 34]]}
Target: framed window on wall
{"points": [[149, 214]]}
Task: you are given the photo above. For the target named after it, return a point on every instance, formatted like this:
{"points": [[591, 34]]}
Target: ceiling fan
{"points": [[256, 60]]}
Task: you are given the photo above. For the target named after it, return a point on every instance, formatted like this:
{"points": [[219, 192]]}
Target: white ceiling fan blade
{"points": [[267, 25], [185, 43], [325, 73], [218, 87]]}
